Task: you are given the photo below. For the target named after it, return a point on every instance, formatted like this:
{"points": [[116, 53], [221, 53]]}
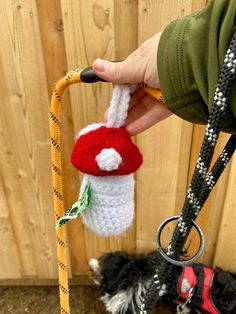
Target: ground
{"points": [[45, 300]]}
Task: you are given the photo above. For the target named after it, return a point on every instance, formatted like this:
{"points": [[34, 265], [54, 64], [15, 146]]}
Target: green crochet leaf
{"points": [[76, 208]]}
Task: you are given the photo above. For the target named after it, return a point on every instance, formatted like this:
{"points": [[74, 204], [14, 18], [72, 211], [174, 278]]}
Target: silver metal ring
{"points": [[179, 262]]}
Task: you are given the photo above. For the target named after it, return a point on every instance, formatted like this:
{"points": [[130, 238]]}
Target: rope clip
{"points": [[181, 307]]}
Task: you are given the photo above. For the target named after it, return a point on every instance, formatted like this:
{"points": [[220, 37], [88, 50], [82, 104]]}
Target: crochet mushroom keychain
{"points": [[108, 158]]}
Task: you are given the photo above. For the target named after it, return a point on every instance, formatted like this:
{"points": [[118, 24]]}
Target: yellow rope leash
{"points": [[71, 78]]}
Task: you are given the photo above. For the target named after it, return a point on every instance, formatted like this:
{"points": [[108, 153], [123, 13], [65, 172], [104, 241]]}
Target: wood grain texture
{"points": [[165, 147], [225, 247], [41, 41], [53, 44], [199, 4], [26, 117], [126, 41], [89, 33], [210, 216], [8, 248]]}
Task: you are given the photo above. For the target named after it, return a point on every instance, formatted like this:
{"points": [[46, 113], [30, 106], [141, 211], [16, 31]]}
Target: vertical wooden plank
{"points": [[166, 166], [13, 195], [89, 34], [126, 41], [52, 36], [225, 252], [210, 217], [10, 262], [32, 41], [26, 118], [165, 147], [199, 4], [126, 28], [155, 15]]}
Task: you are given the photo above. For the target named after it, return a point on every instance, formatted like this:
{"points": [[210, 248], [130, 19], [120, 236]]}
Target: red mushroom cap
{"points": [[88, 146]]}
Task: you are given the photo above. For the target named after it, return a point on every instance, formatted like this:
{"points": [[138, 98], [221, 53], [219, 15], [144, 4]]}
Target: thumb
{"points": [[128, 71]]}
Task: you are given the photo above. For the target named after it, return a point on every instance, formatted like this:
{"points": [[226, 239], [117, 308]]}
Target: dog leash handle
{"points": [[89, 76]]}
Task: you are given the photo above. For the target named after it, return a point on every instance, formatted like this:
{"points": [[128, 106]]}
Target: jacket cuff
{"points": [[189, 56], [171, 63], [170, 60]]}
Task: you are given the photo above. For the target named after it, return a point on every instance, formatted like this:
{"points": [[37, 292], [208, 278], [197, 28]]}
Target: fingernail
{"points": [[100, 65], [130, 129]]}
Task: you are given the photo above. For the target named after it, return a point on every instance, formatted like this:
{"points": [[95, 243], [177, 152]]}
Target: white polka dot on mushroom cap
{"points": [[108, 159]]}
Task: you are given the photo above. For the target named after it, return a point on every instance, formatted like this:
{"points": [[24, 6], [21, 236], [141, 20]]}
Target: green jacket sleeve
{"points": [[190, 54]]}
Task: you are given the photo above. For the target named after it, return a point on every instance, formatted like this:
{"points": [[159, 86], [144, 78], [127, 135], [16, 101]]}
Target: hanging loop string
{"points": [[118, 108]]}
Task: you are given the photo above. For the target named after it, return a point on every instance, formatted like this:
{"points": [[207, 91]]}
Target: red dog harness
{"points": [[199, 279]]}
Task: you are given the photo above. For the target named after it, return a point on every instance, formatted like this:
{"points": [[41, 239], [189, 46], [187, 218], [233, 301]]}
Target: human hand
{"points": [[140, 66]]}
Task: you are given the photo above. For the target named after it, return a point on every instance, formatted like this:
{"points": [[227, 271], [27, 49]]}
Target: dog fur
{"points": [[123, 278]]}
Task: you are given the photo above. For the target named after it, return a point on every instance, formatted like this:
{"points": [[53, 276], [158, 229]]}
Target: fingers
{"points": [[136, 98], [130, 71], [140, 66], [141, 49], [145, 114]]}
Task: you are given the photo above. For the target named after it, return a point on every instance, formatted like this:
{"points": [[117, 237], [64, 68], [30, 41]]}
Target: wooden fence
{"points": [[40, 41]]}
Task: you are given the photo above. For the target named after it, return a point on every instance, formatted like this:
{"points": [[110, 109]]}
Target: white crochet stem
{"points": [[117, 111], [111, 205]]}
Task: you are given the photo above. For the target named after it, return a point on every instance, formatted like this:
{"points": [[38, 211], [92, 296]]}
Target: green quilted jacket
{"points": [[190, 54]]}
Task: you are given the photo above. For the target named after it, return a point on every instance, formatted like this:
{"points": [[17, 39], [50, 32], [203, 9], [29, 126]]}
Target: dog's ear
{"points": [[111, 265], [139, 269], [113, 262], [233, 274], [95, 271]]}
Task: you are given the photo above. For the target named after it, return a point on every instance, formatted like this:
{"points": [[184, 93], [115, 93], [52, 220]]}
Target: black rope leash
{"points": [[202, 181]]}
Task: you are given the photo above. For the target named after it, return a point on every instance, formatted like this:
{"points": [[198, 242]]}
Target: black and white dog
{"points": [[123, 278]]}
